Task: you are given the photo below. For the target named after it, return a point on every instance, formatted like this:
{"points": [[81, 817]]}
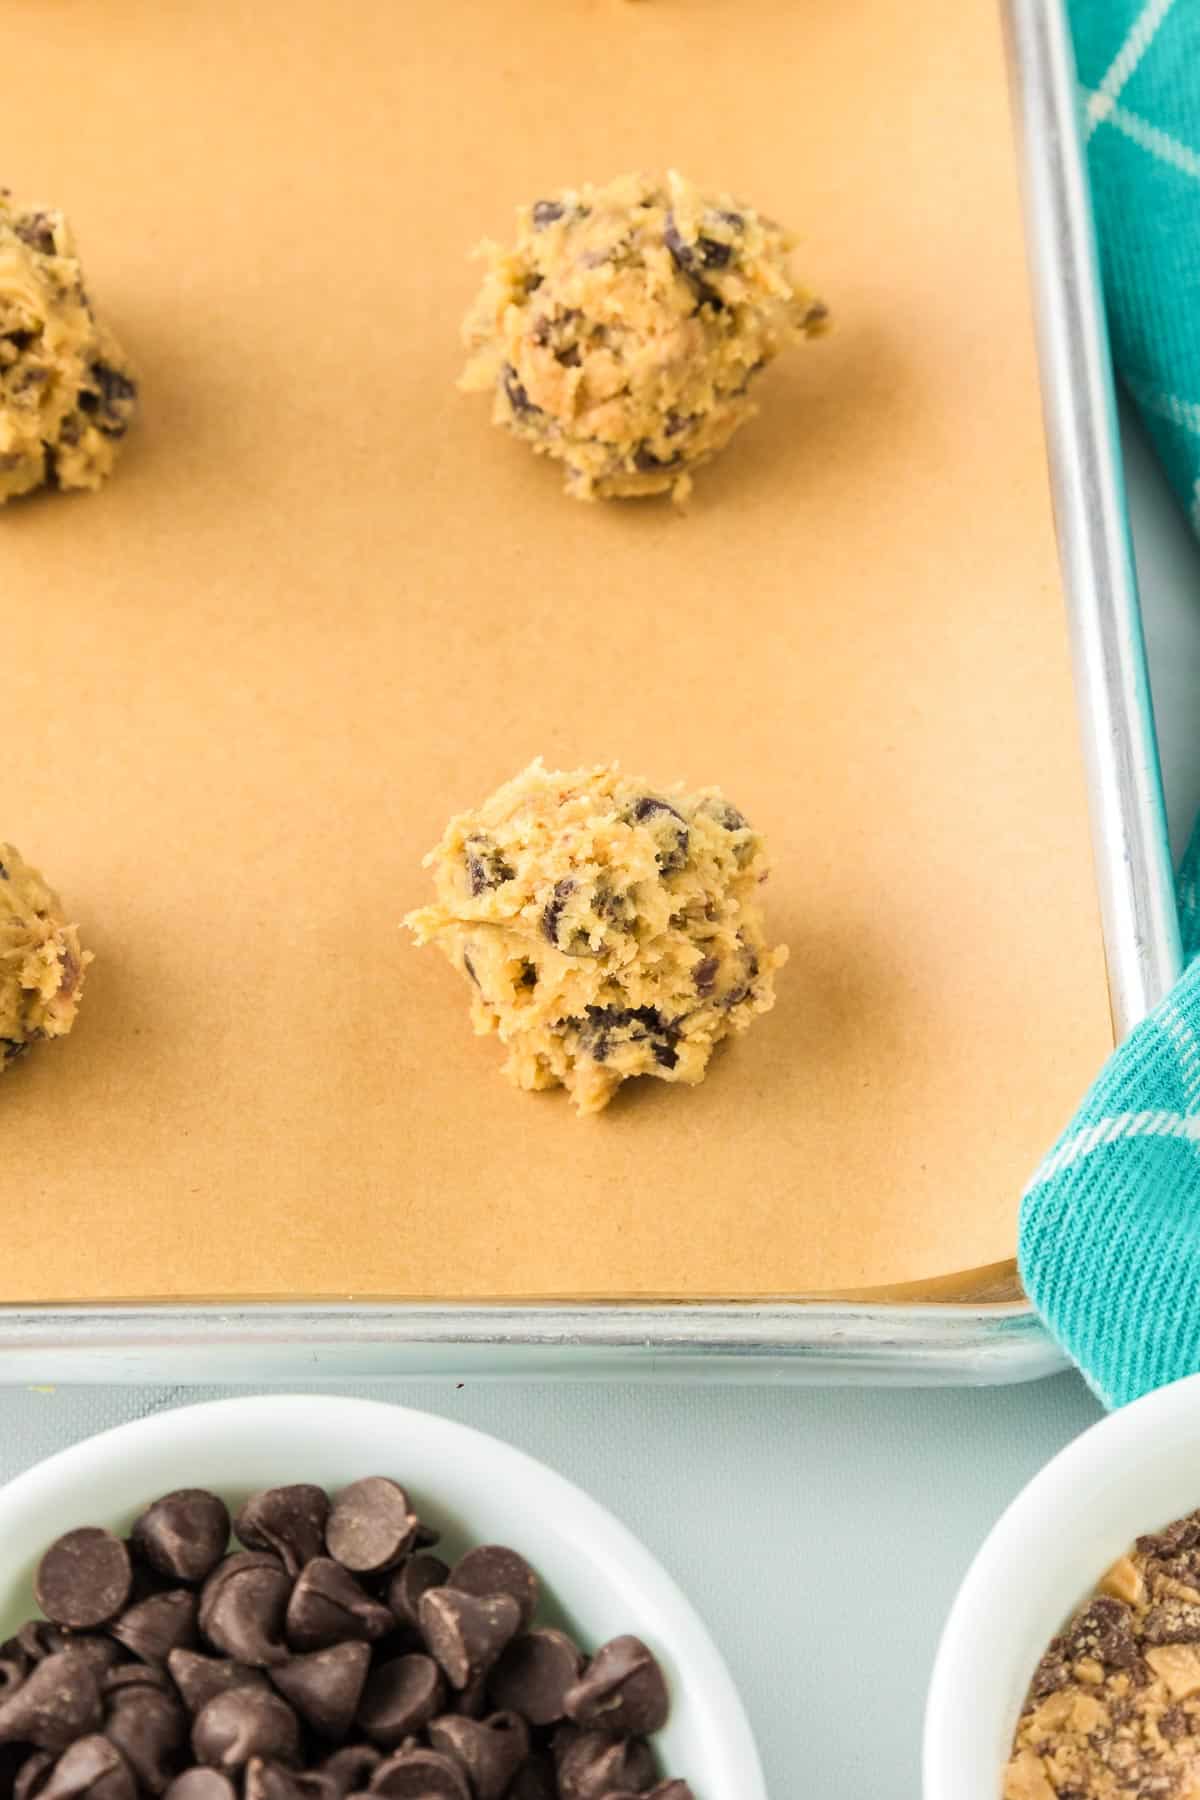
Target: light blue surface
{"points": [[822, 1534]]}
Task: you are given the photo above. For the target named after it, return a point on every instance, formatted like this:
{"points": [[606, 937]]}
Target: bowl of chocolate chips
{"points": [[313, 1598]]}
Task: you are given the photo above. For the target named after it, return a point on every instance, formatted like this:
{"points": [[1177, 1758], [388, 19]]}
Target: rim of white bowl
{"points": [[730, 1750], [1082, 1463]]}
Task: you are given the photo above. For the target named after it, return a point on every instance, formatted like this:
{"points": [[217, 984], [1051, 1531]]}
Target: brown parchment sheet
{"points": [[324, 604]]}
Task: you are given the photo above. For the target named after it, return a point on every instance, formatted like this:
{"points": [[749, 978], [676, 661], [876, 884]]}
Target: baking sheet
{"points": [[323, 605]]}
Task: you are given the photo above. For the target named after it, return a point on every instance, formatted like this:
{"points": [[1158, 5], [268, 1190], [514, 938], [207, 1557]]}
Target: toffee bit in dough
{"points": [[607, 927], [66, 392], [622, 331], [1114, 1706], [41, 964]]}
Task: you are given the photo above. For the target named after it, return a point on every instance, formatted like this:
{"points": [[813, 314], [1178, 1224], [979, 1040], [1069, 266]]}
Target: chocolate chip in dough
{"points": [[243, 1608], [200, 1783], [92, 1767], [494, 1569], [622, 1690], [288, 1520], [58, 1702], [372, 1526], [325, 1686], [84, 1579], [518, 397], [535, 1674], [546, 212], [349, 1770], [155, 1626], [400, 1698], [184, 1534], [490, 1750], [415, 1576], [243, 1723], [465, 1634], [149, 1726], [420, 1775], [200, 1678], [486, 867], [592, 1765], [328, 1607]]}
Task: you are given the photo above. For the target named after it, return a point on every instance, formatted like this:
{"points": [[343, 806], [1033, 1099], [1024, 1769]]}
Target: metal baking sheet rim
{"points": [[801, 1340]]}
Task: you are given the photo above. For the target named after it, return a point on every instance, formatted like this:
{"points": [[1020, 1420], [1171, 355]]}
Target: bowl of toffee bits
{"points": [[294, 1598], [1069, 1668]]}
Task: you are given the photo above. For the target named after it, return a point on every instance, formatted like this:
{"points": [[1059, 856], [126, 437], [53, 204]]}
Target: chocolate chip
{"points": [[622, 1690], [32, 1775], [400, 1697], [679, 1790], [420, 1775], [349, 1771], [415, 1576], [201, 1784], [705, 975], [159, 1624], [647, 461], [372, 1526], [243, 1723], [58, 1701], [184, 1534], [149, 1727], [201, 1678], [592, 1766], [603, 1026], [535, 1779], [94, 1767], [243, 1605], [535, 1674], [553, 911], [670, 830], [486, 867], [473, 1701], [528, 976], [466, 1634], [325, 1686], [490, 1751], [518, 398], [84, 1578], [37, 230], [114, 395], [328, 1607], [545, 212], [493, 1569], [287, 1520], [266, 1780], [37, 1639]]}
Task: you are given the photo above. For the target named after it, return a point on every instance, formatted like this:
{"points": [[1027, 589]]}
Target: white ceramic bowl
{"points": [[475, 1489], [1131, 1473]]}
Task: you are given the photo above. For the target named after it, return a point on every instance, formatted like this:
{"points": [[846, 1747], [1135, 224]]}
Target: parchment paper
{"points": [[323, 605]]}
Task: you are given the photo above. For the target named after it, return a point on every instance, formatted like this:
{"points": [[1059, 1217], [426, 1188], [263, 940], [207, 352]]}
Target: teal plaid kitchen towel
{"points": [[1110, 1224], [1139, 71]]}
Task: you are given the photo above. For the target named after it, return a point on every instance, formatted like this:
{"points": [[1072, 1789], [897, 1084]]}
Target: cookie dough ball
{"points": [[66, 392], [608, 928], [41, 963], [622, 331]]}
